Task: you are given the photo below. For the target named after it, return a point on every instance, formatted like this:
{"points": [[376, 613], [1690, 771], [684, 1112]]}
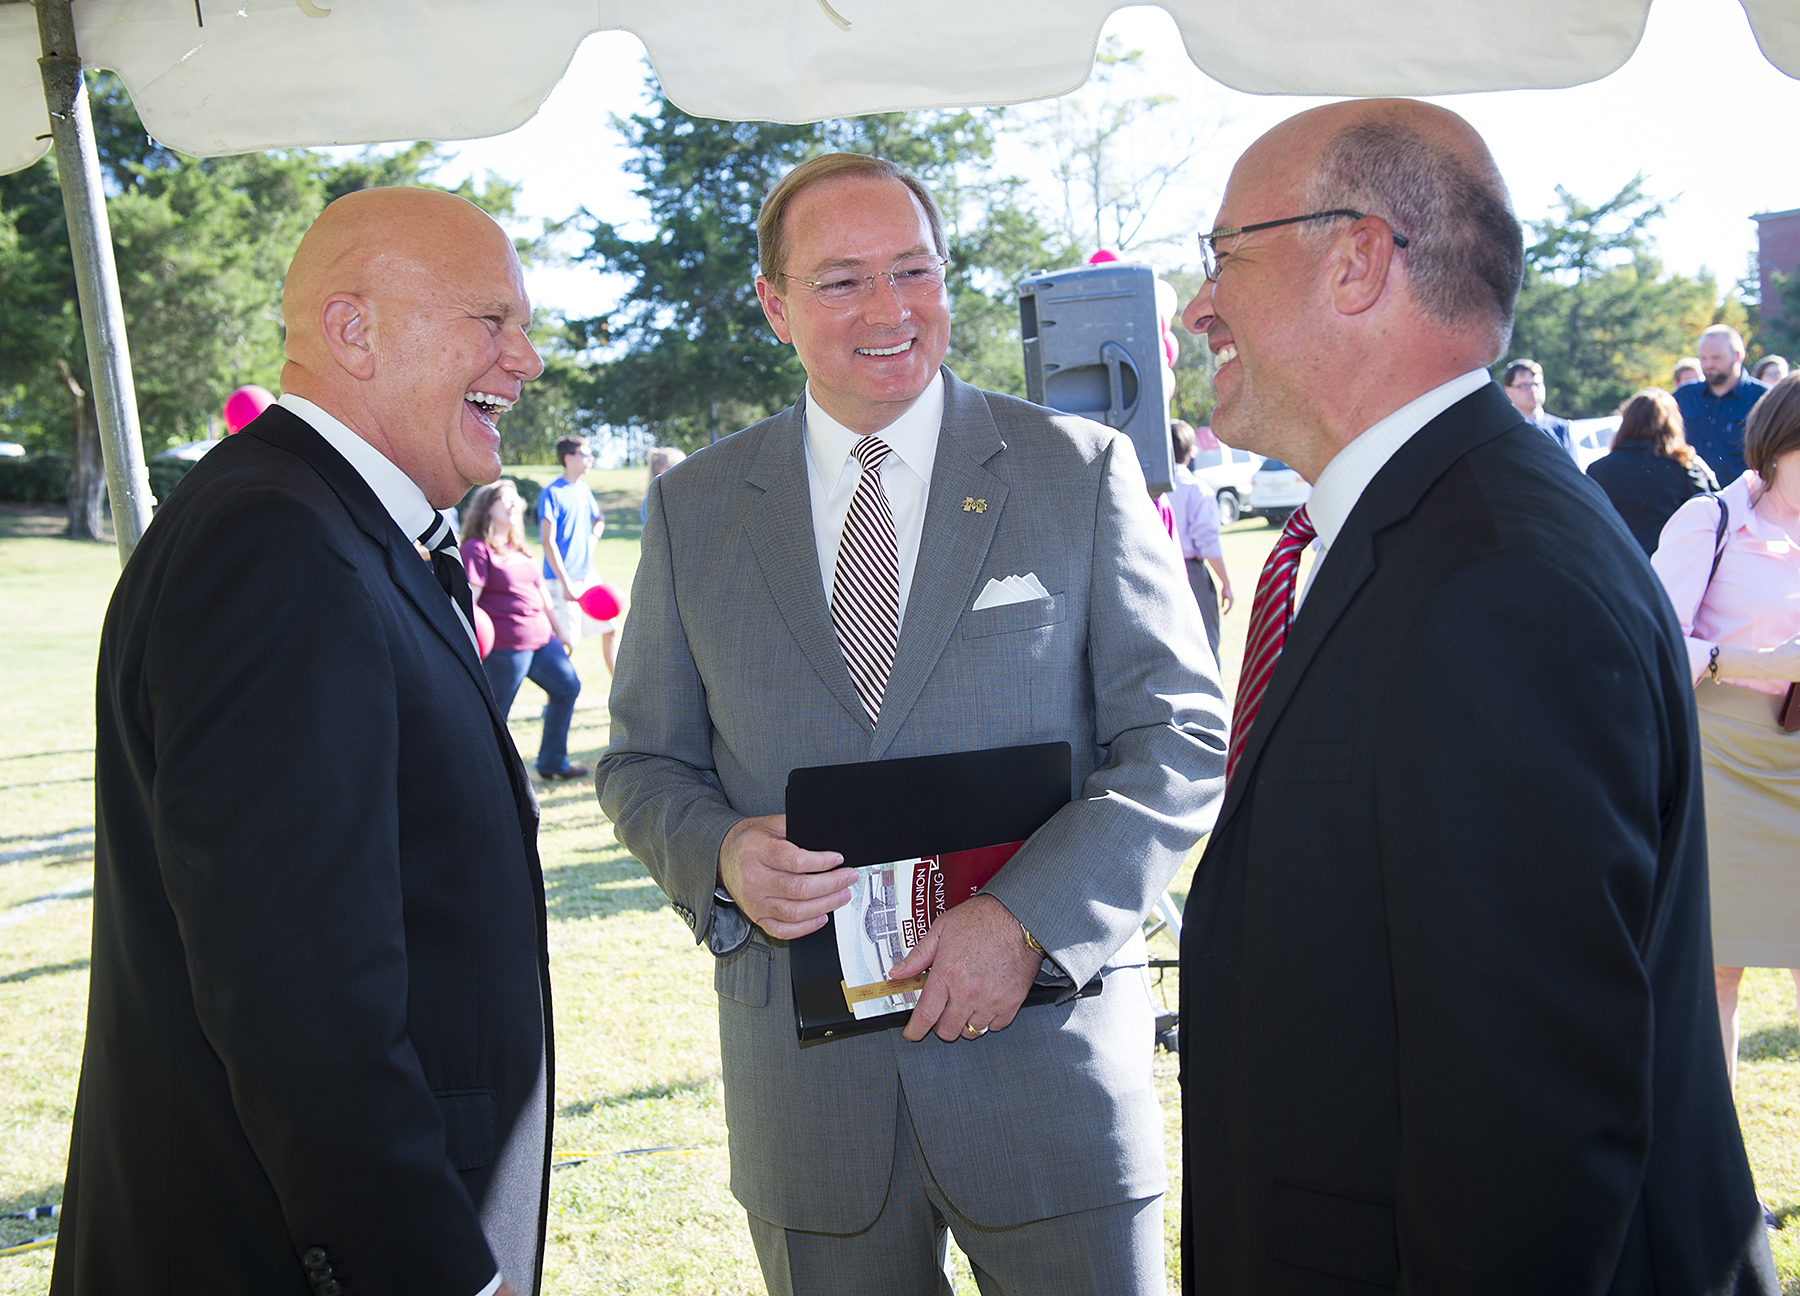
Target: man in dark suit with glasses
{"points": [[1447, 1022]]}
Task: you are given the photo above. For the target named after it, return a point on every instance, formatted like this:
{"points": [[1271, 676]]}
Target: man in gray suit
{"points": [[1035, 1135]]}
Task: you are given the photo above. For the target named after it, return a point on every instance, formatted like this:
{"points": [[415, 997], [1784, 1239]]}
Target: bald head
{"points": [[406, 316], [379, 243], [1389, 264], [1432, 176]]}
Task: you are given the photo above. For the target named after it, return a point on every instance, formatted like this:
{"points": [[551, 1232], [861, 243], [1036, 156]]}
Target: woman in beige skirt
{"points": [[1742, 624]]}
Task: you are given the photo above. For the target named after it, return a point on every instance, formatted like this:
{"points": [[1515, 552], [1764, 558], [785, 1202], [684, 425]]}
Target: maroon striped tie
{"points": [[865, 590], [1269, 619]]}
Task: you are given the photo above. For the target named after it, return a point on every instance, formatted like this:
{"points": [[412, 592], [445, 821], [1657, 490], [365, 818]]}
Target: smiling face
{"points": [[1257, 317], [501, 508], [867, 362], [456, 359], [406, 316]]}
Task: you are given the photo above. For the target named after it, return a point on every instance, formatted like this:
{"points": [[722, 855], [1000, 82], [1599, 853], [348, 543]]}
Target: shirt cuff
{"points": [[492, 1287], [729, 930]]}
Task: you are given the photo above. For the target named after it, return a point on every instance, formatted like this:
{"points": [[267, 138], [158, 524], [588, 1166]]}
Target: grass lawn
{"points": [[640, 1203]]}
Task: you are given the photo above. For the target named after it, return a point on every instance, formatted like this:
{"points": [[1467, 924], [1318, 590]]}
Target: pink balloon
{"points": [[243, 405], [484, 632], [600, 601]]}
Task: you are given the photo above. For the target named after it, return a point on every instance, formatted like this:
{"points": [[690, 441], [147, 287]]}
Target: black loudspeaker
{"points": [[1093, 347]]}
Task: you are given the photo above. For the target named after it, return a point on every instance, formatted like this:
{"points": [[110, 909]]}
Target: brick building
{"points": [[1777, 251]]}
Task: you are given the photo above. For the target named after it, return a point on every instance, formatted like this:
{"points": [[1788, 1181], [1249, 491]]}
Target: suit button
{"points": [[331, 1288], [314, 1257]]}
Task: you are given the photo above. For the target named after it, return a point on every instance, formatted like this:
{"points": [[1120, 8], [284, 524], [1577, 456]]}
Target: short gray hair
{"points": [[1465, 254], [1725, 331]]}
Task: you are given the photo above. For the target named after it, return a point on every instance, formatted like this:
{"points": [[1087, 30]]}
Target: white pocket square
{"points": [[1014, 589]]}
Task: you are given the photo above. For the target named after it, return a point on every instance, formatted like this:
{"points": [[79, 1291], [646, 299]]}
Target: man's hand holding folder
{"points": [[981, 970], [981, 966], [784, 890]]}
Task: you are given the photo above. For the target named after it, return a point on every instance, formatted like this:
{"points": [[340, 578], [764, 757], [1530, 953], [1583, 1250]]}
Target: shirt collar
{"points": [[1737, 388], [398, 493], [1740, 497], [1351, 470], [913, 436]]}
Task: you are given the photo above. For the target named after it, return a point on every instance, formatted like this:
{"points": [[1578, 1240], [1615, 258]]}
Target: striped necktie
{"points": [[446, 564], [1270, 617], [865, 589]]}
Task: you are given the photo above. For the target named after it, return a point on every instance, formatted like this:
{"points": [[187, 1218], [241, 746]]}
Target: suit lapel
{"points": [[952, 549], [781, 535], [1389, 498], [411, 573]]}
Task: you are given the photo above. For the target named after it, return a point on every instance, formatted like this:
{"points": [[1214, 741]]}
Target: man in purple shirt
{"points": [[1196, 512]]}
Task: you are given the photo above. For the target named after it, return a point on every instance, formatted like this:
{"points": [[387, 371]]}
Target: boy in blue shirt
{"points": [[569, 522]]}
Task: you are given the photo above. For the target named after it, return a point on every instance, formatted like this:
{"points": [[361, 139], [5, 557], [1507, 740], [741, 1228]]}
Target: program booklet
{"points": [[891, 906], [924, 834]]}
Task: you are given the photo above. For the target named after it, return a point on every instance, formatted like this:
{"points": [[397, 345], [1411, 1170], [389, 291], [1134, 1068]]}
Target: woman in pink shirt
{"points": [[1742, 625], [503, 574]]}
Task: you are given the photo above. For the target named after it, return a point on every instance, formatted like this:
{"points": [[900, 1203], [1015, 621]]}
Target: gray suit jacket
{"points": [[729, 676]]}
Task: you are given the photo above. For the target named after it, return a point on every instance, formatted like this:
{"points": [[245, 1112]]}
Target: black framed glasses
{"points": [[1209, 259], [914, 278]]}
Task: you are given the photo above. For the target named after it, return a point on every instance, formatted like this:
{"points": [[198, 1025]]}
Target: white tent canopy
{"points": [[212, 77]]}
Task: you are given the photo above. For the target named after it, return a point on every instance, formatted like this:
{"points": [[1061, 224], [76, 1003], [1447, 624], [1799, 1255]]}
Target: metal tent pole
{"points": [[96, 278]]}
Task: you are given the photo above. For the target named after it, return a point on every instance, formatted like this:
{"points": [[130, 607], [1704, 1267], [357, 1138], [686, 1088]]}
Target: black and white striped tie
{"points": [[446, 564], [865, 591]]}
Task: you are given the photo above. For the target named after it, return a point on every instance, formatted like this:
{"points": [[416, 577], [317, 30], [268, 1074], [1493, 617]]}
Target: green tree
{"points": [[1194, 364], [1111, 155], [201, 245], [693, 358], [1597, 310], [1774, 323], [559, 403]]}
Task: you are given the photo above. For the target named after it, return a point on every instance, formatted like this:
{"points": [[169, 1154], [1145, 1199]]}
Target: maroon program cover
{"points": [[953, 878]]}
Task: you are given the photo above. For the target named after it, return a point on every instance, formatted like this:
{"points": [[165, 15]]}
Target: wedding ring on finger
{"points": [[970, 1032]]}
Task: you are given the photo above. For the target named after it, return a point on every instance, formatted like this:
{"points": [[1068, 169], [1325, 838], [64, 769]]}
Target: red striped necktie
{"points": [[865, 590], [1270, 616]]}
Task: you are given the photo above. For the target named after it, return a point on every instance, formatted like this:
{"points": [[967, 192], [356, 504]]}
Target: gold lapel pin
{"points": [[973, 505]]}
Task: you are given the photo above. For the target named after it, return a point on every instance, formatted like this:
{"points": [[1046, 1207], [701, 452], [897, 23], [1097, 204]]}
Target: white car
{"points": [[11, 450], [1226, 472], [1277, 490], [1592, 438]]}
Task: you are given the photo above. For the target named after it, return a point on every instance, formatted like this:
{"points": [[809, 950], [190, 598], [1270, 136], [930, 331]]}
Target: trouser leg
{"points": [[505, 670], [569, 614], [903, 1253], [1207, 596], [1109, 1251], [552, 671]]}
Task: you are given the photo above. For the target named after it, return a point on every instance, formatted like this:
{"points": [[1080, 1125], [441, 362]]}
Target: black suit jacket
{"points": [[319, 1008], [1447, 1011]]}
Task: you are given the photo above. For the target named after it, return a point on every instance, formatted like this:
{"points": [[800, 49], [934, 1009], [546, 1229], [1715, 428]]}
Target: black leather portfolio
{"points": [[875, 812]]}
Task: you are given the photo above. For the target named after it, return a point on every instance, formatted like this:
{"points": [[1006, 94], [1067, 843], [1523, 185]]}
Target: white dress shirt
{"points": [[1350, 471], [399, 494], [833, 471]]}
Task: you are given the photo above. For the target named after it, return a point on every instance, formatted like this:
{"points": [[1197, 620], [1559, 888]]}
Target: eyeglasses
{"points": [[914, 278], [1210, 259]]}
